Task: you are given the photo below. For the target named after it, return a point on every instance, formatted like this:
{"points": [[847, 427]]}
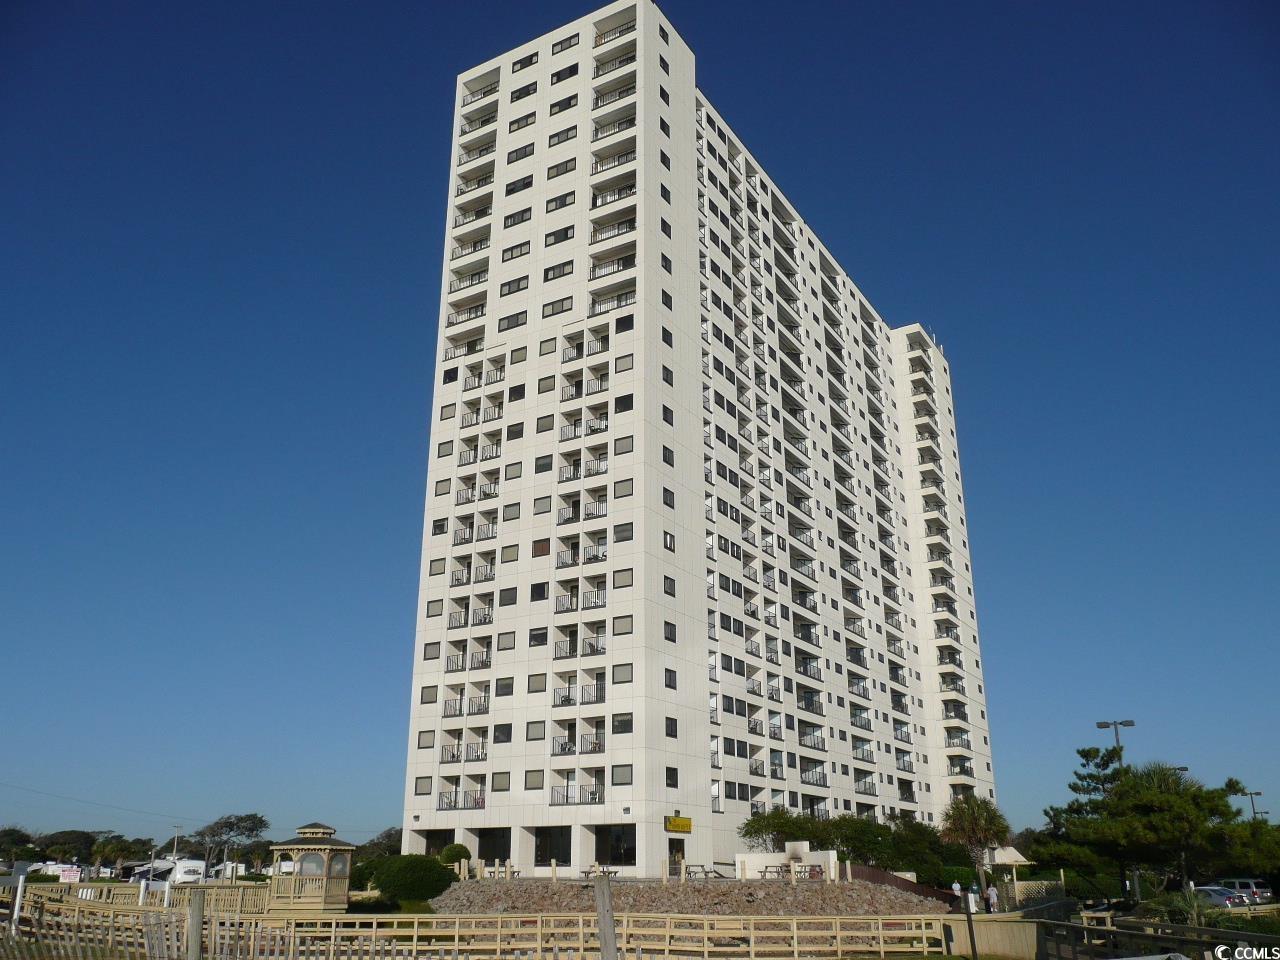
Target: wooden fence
{"points": [[242, 899], [127, 933]]}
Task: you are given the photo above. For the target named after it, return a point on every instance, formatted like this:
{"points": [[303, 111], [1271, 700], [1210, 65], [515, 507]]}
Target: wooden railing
{"points": [[125, 929], [244, 899]]}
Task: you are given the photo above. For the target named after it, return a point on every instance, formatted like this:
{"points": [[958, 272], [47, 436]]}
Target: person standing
{"points": [[993, 899], [955, 888]]}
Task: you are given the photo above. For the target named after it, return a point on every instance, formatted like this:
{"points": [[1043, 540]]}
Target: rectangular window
{"points": [[421, 786], [513, 320], [518, 250], [533, 779], [563, 167], [504, 686], [560, 202], [501, 781], [566, 104], [562, 45], [426, 739], [537, 683], [513, 286], [561, 136], [669, 678], [622, 673], [673, 778], [519, 123], [556, 307], [515, 186], [520, 216], [622, 723], [564, 73], [521, 92], [535, 730], [559, 236], [557, 271], [524, 62], [519, 153], [621, 775]]}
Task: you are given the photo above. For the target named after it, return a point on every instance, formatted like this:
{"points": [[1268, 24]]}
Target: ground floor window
{"points": [[552, 843], [436, 840], [616, 844], [493, 843]]}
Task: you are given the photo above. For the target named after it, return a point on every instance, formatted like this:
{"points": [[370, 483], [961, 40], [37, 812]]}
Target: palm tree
{"points": [[976, 824]]}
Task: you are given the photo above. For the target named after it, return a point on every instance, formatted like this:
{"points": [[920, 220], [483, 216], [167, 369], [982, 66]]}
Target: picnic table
{"points": [[589, 872], [775, 871], [699, 870], [499, 872], [804, 871]]}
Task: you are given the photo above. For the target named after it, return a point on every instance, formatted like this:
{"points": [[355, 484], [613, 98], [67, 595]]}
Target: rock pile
{"points": [[756, 898]]}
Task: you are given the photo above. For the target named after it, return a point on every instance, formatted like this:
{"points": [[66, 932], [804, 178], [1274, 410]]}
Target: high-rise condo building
{"points": [[695, 541]]}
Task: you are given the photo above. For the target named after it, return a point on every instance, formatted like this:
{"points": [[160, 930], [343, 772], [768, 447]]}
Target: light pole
{"points": [[1116, 725], [1253, 806]]}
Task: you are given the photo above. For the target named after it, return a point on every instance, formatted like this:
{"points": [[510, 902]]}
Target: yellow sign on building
{"points": [[678, 824]]}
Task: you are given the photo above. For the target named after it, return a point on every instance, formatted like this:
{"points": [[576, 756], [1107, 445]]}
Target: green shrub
{"points": [[364, 873], [42, 878], [950, 875], [412, 876], [454, 853], [252, 878]]}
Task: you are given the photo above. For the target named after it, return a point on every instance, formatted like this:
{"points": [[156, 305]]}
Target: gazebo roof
{"points": [[315, 836], [1007, 857]]}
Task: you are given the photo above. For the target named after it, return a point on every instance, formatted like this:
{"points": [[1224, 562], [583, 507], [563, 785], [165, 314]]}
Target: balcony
{"points": [[613, 230], [591, 743], [566, 603], [564, 697], [594, 599], [453, 708], [448, 801], [603, 200], [473, 800], [817, 777], [483, 573], [613, 96], [611, 303], [959, 742], [455, 662], [478, 705], [609, 163], [487, 90], [451, 753], [571, 795], [616, 63], [478, 751], [814, 741], [591, 693], [609, 129], [562, 746], [619, 31], [481, 660]]}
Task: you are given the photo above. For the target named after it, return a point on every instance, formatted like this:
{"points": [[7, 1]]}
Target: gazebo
{"points": [[320, 876]]}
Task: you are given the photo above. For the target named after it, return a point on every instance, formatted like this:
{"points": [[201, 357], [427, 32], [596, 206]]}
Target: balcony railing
{"points": [[613, 230], [617, 160], [619, 31], [616, 63], [487, 90], [571, 794]]}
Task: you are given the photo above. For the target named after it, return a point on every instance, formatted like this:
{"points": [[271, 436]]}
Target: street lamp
{"points": [[1115, 725], [1253, 806]]}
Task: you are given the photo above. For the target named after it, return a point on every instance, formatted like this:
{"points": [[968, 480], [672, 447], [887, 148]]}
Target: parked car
{"points": [[1222, 897], [1258, 891]]}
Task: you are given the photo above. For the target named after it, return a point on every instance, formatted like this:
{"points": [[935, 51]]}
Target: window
{"points": [[518, 250], [506, 596], [666, 299], [624, 363], [669, 631], [516, 393], [515, 186], [560, 202], [519, 153], [421, 786], [521, 92], [669, 541], [519, 123], [664, 126], [669, 678], [533, 779], [444, 449], [664, 96], [514, 286], [513, 320], [668, 377], [435, 608], [662, 62], [557, 271], [546, 385], [426, 739], [538, 637], [623, 532], [666, 162], [507, 641], [431, 651], [561, 168], [562, 136], [515, 431], [666, 264], [666, 228], [622, 626], [513, 470], [620, 775], [668, 456], [561, 45], [439, 526], [624, 577], [429, 695], [436, 566], [668, 416], [510, 553], [523, 62], [559, 236], [510, 220], [662, 32], [623, 403], [541, 505], [564, 73], [557, 306], [448, 411], [442, 487], [669, 586], [672, 728], [624, 323], [542, 548], [535, 730], [565, 104], [624, 444], [537, 591], [504, 686], [673, 778], [624, 488], [621, 723], [501, 782], [511, 511], [537, 683], [622, 673], [502, 733]]}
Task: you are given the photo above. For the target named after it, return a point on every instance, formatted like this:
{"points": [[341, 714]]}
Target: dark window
{"points": [[616, 844], [673, 777]]}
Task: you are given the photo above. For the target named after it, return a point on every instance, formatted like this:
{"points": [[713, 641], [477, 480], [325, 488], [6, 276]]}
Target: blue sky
{"points": [[219, 270]]}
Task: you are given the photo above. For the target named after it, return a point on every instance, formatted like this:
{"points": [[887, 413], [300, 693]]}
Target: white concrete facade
{"points": [[694, 538]]}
